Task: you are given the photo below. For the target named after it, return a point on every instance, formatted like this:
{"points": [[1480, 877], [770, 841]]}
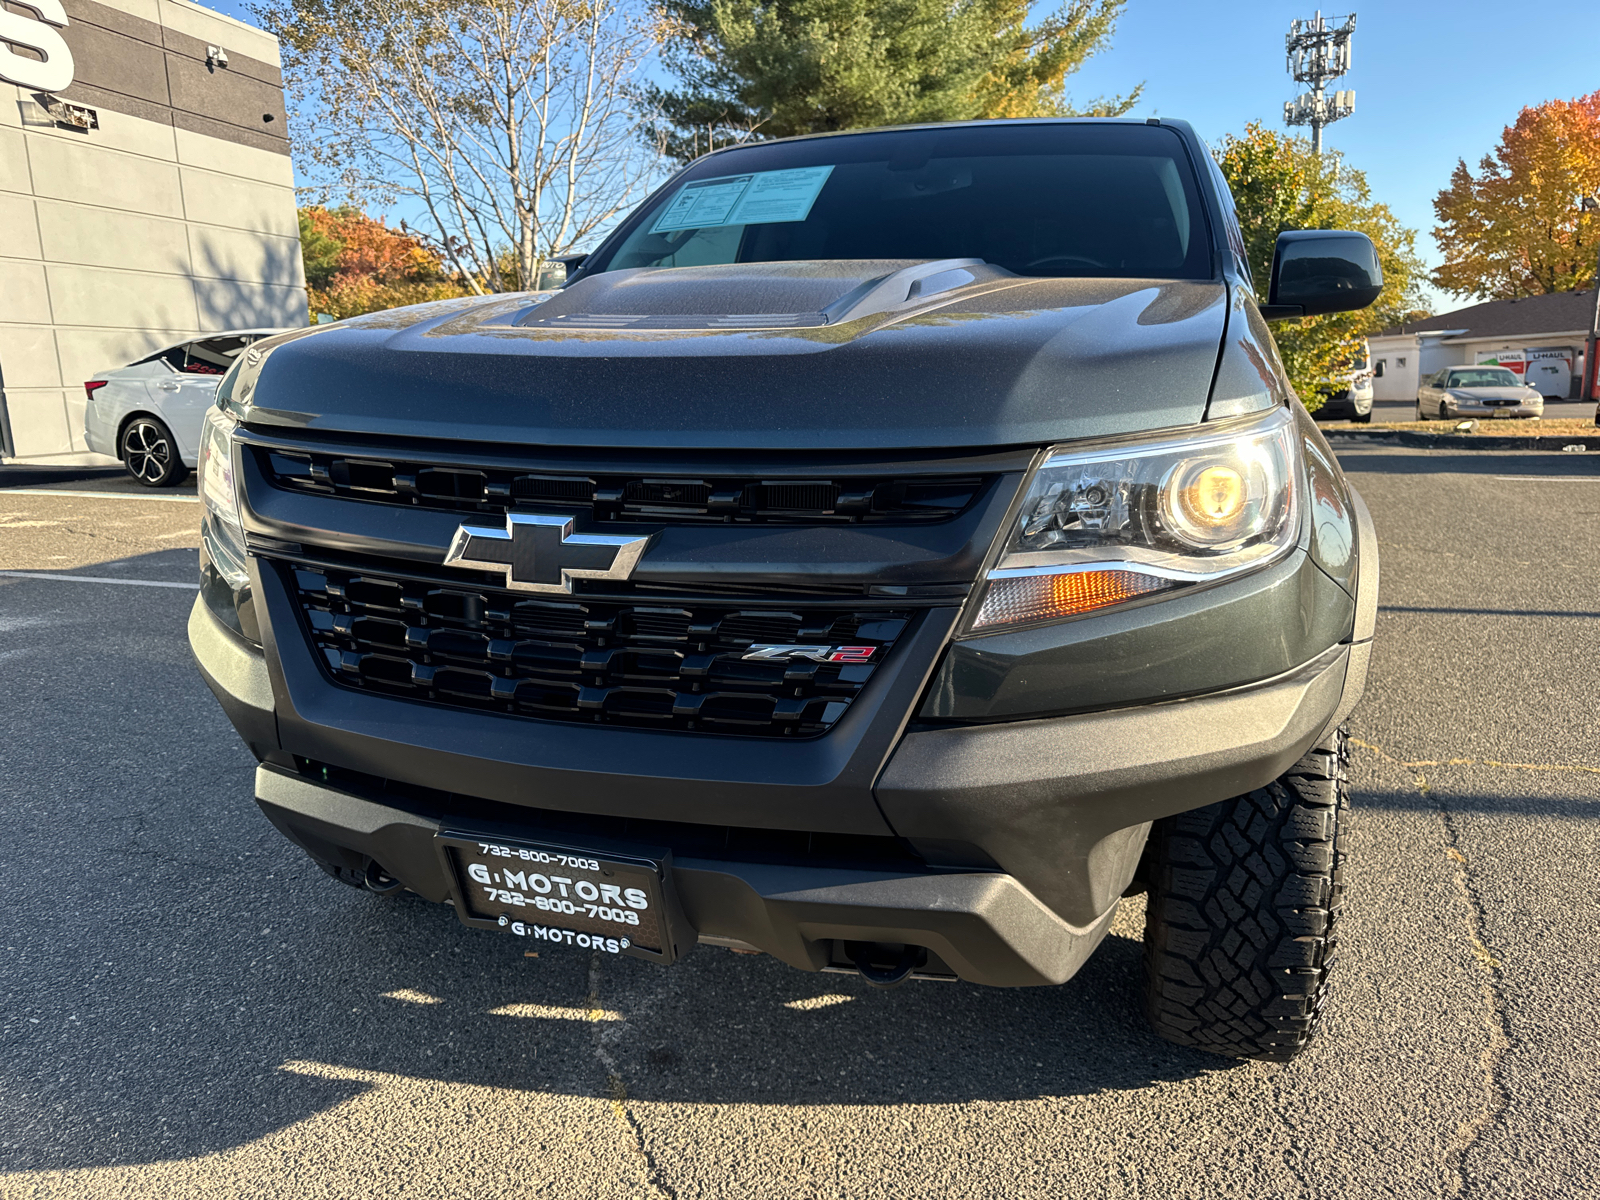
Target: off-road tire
{"points": [[1244, 904]]}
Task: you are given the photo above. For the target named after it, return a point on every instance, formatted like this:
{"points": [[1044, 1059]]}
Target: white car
{"points": [[148, 413]]}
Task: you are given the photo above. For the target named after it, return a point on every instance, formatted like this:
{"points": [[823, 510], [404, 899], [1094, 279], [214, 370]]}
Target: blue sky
{"points": [[1434, 81]]}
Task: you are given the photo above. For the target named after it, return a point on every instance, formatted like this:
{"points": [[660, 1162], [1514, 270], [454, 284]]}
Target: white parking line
{"points": [[188, 587], [1548, 478], [98, 495]]}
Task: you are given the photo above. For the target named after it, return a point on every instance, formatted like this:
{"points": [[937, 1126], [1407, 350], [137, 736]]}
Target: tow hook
{"points": [[861, 955], [380, 882]]}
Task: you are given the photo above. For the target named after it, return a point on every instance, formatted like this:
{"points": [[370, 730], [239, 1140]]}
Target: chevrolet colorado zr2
{"points": [[887, 551]]}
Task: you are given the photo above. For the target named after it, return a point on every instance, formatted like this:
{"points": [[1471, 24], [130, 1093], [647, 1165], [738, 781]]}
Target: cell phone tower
{"points": [[1319, 51]]}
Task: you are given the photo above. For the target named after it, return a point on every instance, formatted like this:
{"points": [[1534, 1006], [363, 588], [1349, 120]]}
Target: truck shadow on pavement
{"points": [[363, 993]]}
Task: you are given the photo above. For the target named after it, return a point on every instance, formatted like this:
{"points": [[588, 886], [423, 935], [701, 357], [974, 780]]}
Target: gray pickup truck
{"points": [[888, 551]]}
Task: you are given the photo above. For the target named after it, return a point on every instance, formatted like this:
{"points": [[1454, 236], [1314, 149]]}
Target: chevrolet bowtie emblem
{"points": [[540, 553]]}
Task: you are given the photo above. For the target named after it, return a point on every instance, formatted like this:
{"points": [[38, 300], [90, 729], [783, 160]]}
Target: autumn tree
{"points": [[1517, 227], [1279, 184], [504, 129], [776, 68], [356, 264]]}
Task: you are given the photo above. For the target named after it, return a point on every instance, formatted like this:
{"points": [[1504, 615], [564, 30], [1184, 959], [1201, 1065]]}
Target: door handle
{"points": [[170, 385]]}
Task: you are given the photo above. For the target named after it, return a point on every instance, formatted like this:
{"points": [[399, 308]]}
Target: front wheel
{"points": [[150, 453], [1244, 897], [1363, 418]]}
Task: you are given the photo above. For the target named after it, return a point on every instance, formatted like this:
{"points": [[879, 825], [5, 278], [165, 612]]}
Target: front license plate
{"points": [[1501, 412], [559, 894]]}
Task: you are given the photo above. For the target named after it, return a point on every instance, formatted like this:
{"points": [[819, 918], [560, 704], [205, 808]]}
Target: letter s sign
{"points": [[55, 73]]}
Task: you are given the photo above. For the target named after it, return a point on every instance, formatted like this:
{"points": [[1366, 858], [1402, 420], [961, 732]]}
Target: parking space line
{"points": [[1548, 478], [188, 587], [97, 495]]}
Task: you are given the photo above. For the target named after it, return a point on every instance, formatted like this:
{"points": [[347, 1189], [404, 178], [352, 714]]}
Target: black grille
{"points": [[627, 498], [648, 665]]}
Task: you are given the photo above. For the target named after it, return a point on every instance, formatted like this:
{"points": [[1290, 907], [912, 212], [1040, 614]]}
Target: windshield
{"points": [[1091, 200], [1483, 377]]}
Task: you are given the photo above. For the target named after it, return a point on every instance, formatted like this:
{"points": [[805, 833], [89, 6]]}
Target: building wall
{"points": [[1399, 356], [175, 217]]}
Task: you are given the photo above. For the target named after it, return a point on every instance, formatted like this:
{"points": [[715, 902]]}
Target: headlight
{"points": [[1104, 526], [224, 577]]}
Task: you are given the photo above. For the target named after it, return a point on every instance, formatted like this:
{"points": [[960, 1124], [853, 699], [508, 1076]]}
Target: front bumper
{"points": [[1030, 831], [1454, 408], [1344, 406]]}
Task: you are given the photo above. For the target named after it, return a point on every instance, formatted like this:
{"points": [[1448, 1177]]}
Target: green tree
{"points": [[318, 249], [1279, 184], [777, 68]]}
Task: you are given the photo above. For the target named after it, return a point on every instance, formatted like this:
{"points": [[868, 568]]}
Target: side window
{"points": [[213, 356]]}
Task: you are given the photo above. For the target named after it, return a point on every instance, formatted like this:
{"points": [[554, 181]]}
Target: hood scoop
{"points": [[753, 296]]}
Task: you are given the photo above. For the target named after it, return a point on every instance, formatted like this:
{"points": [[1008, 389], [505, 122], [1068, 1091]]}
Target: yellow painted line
{"points": [[1575, 768], [411, 996], [811, 1002], [552, 1012]]}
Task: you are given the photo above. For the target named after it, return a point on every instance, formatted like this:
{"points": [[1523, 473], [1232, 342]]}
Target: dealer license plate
{"points": [[1501, 412], [559, 894]]}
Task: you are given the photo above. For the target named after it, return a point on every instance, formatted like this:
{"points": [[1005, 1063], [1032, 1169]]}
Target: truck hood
{"points": [[766, 356]]}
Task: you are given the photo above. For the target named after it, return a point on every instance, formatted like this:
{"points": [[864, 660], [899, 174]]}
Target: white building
{"points": [[1541, 338], [146, 196]]}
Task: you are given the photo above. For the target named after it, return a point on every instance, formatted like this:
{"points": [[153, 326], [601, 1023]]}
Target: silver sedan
{"points": [[1476, 392]]}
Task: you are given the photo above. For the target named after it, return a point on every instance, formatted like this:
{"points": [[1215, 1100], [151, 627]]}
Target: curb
{"points": [[1349, 439]]}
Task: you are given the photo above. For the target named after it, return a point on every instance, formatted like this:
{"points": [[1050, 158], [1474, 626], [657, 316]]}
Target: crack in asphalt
{"points": [[1495, 1009], [1491, 984], [605, 1033]]}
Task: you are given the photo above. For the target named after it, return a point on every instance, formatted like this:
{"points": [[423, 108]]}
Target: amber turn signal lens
{"points": [[1050, 597]]}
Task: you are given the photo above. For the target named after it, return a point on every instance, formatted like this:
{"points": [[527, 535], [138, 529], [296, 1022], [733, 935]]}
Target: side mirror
{"points": [[1377, 371], [1316, 271]]}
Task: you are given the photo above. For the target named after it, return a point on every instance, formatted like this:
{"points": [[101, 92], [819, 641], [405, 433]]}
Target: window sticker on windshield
{"points": [[762, 198], [703, 203]]}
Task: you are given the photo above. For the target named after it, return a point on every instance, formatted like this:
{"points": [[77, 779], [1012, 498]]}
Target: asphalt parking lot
{"points": [[188, 1007]]}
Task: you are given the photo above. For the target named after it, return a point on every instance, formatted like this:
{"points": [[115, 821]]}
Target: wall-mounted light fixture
{"points": [[61, 113]]}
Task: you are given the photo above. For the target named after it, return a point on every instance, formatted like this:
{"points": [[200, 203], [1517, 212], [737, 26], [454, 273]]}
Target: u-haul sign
{"points": [[38, 34]]}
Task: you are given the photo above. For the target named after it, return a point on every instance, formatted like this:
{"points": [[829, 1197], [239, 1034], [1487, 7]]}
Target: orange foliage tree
{"points": [[356, 264], [1517, 228]]}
